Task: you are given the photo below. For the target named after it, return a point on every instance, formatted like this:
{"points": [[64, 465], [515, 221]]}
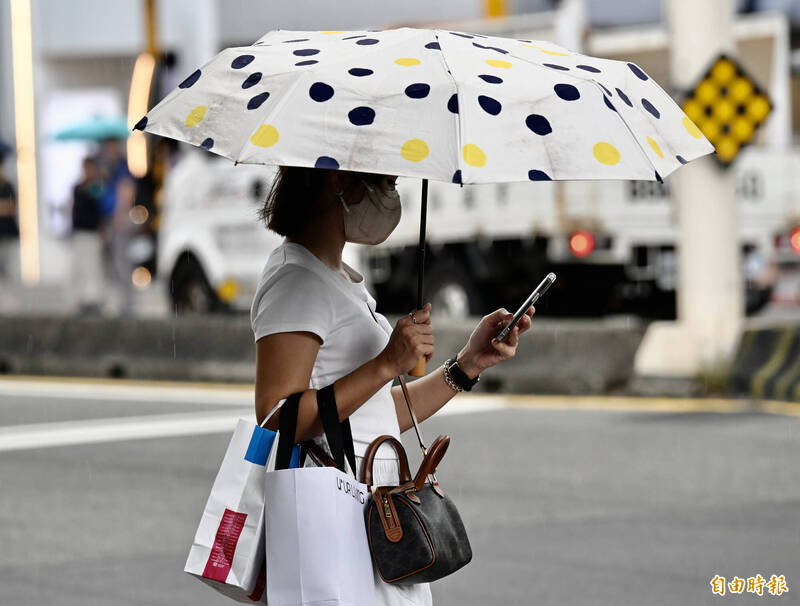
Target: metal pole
{"points": [[423, 217]]}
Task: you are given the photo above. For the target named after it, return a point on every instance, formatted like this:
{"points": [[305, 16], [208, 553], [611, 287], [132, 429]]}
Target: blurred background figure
{"points": [[9, 230], [115, 206], [87, 243]]}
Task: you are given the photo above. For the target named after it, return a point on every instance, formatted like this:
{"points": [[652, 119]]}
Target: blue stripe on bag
{"points": [[261, 444]]}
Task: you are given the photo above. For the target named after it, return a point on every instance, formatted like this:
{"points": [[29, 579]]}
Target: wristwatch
{"points": [[453, 372]]}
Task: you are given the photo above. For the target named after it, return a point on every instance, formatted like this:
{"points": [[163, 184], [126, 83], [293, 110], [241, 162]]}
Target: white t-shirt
{"points": [[298, 292]]}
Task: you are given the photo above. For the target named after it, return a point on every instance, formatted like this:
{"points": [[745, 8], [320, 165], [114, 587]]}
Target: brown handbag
{"points": [[415, 531]]}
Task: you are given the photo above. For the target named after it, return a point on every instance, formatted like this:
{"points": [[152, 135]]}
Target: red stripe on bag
{"points": [[219, 561], [261, 582]]}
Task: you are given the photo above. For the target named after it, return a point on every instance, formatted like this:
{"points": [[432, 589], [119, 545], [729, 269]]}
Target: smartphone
{"points": [[537, 294]]}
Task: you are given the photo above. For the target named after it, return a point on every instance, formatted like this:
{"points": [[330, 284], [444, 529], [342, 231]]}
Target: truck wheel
{"points": [[189, 289], [452, 292]]}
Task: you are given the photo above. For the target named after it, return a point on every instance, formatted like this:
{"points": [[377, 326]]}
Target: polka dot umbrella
{"points": [[434, 104]]}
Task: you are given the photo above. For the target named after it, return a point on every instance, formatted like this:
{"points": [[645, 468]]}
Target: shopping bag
{"points": [[316, 542], [228, 548]]}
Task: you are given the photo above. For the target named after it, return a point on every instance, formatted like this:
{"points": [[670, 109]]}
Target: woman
{"points": [[315, 324]]}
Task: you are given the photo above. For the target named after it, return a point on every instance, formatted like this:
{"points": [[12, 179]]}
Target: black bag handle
{"points": [[338, 433], [287, 426]]}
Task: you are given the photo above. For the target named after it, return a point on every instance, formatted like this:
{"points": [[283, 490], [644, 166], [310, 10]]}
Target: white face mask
{"points": [[374, 218]]}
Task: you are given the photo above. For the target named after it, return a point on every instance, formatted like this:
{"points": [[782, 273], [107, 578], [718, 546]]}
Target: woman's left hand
{"points": [[482, 351]]}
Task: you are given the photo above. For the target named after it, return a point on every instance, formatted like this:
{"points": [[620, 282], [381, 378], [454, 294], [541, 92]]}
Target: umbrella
{"points": [[435, 104], [97, 128]]}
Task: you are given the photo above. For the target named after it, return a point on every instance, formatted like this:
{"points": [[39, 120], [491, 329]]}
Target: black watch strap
{"points": [[459, 376]]}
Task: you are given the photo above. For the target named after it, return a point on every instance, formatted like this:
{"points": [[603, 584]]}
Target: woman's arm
{"points": [[284, 362], [429, 393]]}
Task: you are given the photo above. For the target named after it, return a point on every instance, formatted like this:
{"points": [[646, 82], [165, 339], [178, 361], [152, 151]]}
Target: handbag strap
{"points": [[407, 398], [403, 473], [338, 433]]}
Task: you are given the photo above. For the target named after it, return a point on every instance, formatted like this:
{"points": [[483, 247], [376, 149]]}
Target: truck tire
{"points": [[190, 290], [452, 292]]}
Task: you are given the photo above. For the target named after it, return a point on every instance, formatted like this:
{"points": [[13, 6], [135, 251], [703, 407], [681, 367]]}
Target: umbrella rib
{"points": [[597, 85], [459, 133]]}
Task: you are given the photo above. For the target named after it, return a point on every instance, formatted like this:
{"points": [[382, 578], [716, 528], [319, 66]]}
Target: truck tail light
{"points": [[581, 243]]}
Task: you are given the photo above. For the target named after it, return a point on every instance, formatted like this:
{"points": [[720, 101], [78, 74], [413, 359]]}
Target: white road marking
{"points": [[96, 431], [170, 393]]}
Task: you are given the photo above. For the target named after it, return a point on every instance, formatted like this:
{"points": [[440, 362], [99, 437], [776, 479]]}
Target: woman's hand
{"points": [[409, 342], [482, 351]]}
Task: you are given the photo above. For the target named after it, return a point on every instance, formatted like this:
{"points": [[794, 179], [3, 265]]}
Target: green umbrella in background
{"points": [[97, 128]]}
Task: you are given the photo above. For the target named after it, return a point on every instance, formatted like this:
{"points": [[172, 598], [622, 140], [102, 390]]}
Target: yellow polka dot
{"points": [[544, 50], [691, 128], [606, 153], [707, 92], [196, 116], [740, 89], [758, 108], [498, 63], [742, 129], [415, 150], [266, 136], [407, 61], [656, 147], [724, 110], [473, 155], [727, 148], [723, 71]]}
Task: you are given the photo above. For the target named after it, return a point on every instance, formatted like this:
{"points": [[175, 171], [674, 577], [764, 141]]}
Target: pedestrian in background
{"points": [[9, 228], [87, 245]]}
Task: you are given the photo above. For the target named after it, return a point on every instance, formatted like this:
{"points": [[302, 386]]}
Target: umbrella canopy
{"points": [[97, 128], [435, 104]]}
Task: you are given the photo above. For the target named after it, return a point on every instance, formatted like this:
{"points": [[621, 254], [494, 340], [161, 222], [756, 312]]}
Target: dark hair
{"points": [[295, 197]]}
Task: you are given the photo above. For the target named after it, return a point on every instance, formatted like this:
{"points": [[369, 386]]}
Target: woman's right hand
{"points": [[409, 342]]}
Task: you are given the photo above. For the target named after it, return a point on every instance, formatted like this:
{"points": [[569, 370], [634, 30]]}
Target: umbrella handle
{"points": [[419, 369]]}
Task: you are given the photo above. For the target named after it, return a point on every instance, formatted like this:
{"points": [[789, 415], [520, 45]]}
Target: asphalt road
{"points": [[587, 501]]}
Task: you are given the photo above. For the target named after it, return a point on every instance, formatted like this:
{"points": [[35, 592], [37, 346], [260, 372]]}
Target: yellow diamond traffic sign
{"points": [[728, 106]]}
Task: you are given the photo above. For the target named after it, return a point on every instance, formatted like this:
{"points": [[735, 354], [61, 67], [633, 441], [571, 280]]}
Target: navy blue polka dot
{"points": [[190, 80], [588, 68], [359, 71], [490, 79], [489, 105], [609, 104], [256, 101], [605, 90], [650, 108], [554, 66], [141, 124], [361, 116], [636, 70], [538, 175], [242, 61], [433, 45], [208, 143], [367, 41], [494, 48], [298, 40], [462, 35], [252, 80], [539, 124], [452, 104], [658, 178], [354, 37], [457, 176], [419, 90], [309, 62], [305, 52], [320, 91], [326, 162], [526, 41], [567, 92], [624, 97], [680, 159]]}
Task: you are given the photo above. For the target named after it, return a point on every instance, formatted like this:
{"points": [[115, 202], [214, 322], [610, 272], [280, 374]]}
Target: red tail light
{"points": [[795, 240], [581, 243]]}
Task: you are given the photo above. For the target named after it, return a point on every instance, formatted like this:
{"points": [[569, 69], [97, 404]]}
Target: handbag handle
{"points": [[431, 461], [369, 456]]}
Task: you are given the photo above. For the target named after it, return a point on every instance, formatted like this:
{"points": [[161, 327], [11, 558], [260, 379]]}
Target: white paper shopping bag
{"points": [[228, 547], [316, 542]]}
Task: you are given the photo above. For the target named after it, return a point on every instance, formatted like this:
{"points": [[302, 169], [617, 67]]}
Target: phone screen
{"points": [[537, 294]]}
